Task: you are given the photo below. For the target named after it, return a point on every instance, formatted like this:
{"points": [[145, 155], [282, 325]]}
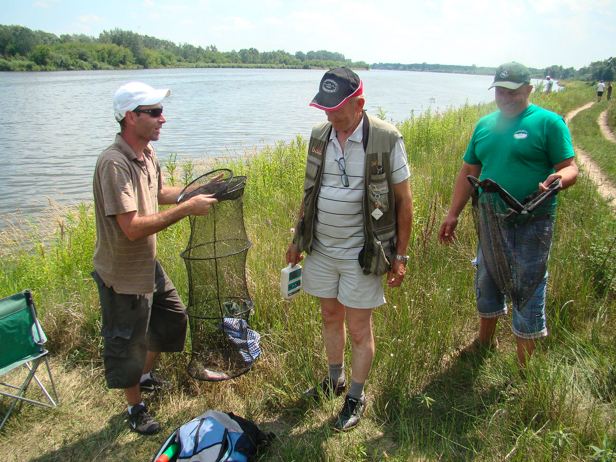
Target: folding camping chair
{"points": [[21, 344]]}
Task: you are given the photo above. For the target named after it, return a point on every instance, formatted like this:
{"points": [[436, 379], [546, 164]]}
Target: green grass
{"points": [[425, 402]]}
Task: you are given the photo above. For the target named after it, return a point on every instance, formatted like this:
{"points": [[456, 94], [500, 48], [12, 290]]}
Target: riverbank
{"points": [[425, 402]]}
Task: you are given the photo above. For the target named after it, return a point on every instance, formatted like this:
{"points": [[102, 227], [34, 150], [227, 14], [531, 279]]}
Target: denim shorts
{"points": [[135, 324], [529, 323], [344, 280]]}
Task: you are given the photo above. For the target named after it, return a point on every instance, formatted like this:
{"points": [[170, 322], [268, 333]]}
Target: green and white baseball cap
{"points": [[511, 75]]}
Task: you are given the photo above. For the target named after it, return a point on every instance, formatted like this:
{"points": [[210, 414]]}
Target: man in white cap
{"points": [[523, 148], [354, 224], [141, 310]]}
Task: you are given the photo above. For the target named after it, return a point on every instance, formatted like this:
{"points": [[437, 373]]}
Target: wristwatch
{"points": [[402, 258]]}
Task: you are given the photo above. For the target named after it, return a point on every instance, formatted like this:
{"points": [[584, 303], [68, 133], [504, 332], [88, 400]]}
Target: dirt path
{"points": [[605, 128], [605, 188]]}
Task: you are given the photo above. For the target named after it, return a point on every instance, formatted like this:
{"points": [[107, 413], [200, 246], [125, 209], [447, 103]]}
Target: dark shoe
{"points": [[327, 388], [351, 413], [155, 383], [142, 422]]}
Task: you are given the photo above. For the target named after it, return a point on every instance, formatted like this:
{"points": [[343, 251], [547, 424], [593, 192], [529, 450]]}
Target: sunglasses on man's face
{"points": [[155, 112]]}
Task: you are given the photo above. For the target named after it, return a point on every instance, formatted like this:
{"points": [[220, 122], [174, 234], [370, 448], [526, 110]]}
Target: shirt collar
{"points": [[357, 135], [125, 149]]}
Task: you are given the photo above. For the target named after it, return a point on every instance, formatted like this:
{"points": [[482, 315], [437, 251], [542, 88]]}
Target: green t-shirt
{"points": [[519, 153]]}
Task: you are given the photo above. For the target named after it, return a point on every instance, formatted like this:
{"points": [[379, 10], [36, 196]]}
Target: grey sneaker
{"points": [[328, 389], [350, 414], [155, 383], [141, 422]]}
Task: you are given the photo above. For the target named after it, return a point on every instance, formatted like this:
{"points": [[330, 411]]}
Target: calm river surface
{"points": [[55, 124]]}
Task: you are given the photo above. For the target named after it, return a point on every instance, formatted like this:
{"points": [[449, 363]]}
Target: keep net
{"points": [[223, 345], [515, 237]]}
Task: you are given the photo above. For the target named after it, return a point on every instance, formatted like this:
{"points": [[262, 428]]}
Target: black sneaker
{"points": [[140, 421], [350, 414], [328, 389], [155, 383]]}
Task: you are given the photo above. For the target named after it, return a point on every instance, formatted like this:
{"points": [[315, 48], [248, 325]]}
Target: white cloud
{"points": [[148, 4], [240, 23], [275, 21], [154, 16], [431, 5], [565, 6], [90, 18], [85, 29], [236, 23]]}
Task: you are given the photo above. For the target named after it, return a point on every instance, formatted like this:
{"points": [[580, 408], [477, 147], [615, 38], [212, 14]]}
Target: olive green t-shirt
{"points": [[521, 152]]}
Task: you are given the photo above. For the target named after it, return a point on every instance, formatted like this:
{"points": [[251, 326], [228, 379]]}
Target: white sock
{"points": [[130, 408], [145, 377]]}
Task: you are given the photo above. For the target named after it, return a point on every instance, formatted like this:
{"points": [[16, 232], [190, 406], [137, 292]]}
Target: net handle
{"points": [[489, 185], [212, 174], [553, 188], [529, 204]]}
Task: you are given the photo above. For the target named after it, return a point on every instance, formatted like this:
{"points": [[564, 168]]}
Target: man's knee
{"points": [[360, 330], [332, 311]]}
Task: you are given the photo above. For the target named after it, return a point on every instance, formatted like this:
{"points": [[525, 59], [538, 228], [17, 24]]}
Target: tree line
{"points": [[599, 70], [23, 49]]}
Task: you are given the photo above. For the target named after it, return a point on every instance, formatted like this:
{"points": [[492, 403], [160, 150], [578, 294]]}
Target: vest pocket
{"points": [[381, 251], [312, 170], [378, 193], [303, 235]]}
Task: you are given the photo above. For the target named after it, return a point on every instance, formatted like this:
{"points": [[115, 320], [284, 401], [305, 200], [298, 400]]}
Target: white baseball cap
{"points": [[134, 94]]}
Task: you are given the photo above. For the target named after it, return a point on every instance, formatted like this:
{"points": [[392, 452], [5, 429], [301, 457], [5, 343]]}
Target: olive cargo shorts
{"points": [[135, 324]]}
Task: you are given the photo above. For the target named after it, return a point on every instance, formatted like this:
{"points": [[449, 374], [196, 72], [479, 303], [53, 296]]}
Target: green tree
{"points": [[41, 55]]}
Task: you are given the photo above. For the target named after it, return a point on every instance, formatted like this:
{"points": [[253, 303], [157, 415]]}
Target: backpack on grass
{"points": [[214, 437]]}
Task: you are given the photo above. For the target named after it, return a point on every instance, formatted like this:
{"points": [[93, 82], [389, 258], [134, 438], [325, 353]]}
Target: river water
{"points": [[55, 124]]}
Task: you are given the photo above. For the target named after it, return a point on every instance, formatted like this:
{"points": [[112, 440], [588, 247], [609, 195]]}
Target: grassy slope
{"points": [[425, 402]]}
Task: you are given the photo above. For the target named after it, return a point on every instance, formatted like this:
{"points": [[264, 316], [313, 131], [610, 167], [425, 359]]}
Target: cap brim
{"points": [[509, 85]]}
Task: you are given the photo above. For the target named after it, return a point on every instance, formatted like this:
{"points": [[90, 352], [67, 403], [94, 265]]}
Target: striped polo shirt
{"points": [[338, 225], [124, 184]]}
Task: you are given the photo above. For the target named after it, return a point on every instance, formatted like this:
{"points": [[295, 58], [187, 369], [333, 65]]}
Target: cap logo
{"points": [[505, 73], [520, 135], [330, 86]]}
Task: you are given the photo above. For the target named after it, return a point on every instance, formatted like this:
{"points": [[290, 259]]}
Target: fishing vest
{"points": [[379, 205]]}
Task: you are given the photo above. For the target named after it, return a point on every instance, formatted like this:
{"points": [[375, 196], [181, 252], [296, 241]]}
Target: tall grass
{"points": [[425, 401]]}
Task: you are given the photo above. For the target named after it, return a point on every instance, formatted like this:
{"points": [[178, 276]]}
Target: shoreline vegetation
{"points": [[23, 49], [426, 402]]}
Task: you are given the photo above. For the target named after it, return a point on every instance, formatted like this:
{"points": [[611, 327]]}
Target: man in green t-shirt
{"points": [[519, 146]]}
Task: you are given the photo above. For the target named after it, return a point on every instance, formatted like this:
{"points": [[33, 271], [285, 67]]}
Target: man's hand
{"points": [[548, 181], [200, 204], [397, 273], [293, 256], [447, 233]]}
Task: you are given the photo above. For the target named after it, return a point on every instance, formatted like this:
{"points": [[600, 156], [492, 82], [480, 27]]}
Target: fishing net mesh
{"points": [[219, 304], [515, 237]]}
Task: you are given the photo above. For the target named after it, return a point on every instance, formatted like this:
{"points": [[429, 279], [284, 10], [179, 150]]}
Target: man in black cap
{"points": [[523, 148], [354, 224]]}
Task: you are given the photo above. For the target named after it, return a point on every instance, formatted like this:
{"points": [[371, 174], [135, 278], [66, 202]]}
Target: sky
{"points": [[537, 33]]}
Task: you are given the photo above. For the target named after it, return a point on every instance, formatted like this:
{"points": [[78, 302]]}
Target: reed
{"points": [[426, 402]]}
